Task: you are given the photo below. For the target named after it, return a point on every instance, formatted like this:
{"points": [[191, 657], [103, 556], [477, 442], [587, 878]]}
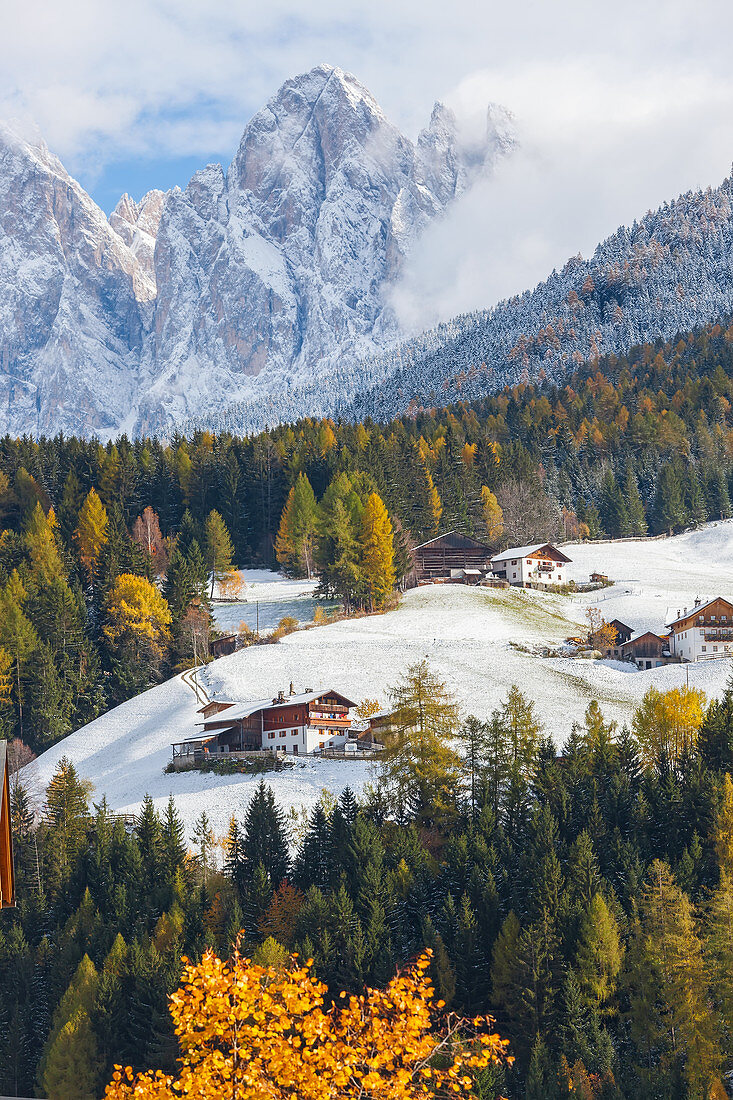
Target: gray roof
{"points": [[237, 712], [525, 551], [455, 540]]}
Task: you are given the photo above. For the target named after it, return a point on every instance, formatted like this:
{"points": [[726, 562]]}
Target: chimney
{"points": [[292, 689], [281, 696], [698, 601]]}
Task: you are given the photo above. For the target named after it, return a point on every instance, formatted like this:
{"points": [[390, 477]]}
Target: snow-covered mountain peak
{"points": [[245, 283]]}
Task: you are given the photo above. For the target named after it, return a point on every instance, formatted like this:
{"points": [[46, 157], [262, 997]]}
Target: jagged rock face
{"points": [[70, 324], [247, 282], [293, 249], [137, 224]]}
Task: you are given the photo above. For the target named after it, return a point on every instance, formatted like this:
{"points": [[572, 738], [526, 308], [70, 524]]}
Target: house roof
{"points": [[455, 540], [674, 616], [525, 551], [617, 623], [643, 634], [240, 711]]}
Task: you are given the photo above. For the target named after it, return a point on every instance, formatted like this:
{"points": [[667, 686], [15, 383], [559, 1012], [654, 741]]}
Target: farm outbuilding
{"points": [[451, 557]]}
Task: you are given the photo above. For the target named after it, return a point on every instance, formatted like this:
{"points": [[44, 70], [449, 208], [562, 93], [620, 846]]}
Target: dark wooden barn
{"points": [[441, 558]]}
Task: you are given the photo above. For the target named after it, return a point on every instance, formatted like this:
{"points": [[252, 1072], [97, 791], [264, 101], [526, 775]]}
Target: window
{"points": [[294, 733], [271, 734], [715, 649], [283, 733], [704, 649]]}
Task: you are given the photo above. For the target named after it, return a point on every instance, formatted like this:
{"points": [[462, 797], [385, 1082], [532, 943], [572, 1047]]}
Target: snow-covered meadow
{"points": [[469, 636]]}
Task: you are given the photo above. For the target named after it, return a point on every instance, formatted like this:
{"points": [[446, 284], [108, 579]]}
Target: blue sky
{"points": [[618, 106]]}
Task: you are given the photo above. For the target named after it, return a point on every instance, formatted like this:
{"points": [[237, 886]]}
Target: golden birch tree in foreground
{"points": [[264, 1033]]}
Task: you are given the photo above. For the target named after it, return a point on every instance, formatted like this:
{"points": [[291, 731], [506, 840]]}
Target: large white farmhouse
{"points": [[531, 566], [701, 632]]}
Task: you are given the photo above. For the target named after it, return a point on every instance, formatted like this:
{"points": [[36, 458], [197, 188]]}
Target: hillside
{"points": [[467, 636]]}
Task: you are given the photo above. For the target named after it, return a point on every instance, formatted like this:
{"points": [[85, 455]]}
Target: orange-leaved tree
{"points": [[255, 1032]]}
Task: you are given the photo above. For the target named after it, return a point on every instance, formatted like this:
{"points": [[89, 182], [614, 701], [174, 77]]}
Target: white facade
{"points": [[704, 633], [535, 565]]}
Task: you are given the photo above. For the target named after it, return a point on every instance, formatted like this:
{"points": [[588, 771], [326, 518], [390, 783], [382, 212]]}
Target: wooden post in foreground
{"points": [[7, 873]]}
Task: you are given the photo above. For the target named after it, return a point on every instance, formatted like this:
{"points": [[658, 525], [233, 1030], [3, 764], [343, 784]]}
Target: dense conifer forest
{"points": [[584, 901]]}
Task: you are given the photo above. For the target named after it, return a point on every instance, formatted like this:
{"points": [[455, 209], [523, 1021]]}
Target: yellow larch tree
{"points": [[92, 533], [668, 722], [137, 616], [254, 1031], [493, 515], [377, 552]]}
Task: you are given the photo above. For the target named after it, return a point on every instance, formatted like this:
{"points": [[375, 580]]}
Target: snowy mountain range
{"points": [[252, 282]]}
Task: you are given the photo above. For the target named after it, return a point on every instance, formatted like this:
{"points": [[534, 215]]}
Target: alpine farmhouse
{"points": [[701, 632], [302, 723], [536, 566]]}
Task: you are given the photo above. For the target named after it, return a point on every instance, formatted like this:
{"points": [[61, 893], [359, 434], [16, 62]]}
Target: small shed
{"points": [[442, 557], [7, 870], [222, 647]]}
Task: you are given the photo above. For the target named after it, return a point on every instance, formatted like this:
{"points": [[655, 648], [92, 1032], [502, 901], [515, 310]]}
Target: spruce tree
{"points": [[264, 835]]}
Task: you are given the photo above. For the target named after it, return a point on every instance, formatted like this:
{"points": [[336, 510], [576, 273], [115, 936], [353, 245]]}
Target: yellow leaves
{"points": [[91, 532], [668, 722], [493, 515], [264, 1032], [136, 609]]}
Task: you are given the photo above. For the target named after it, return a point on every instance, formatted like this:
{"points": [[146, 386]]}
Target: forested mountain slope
{"points": [[664, 275]]}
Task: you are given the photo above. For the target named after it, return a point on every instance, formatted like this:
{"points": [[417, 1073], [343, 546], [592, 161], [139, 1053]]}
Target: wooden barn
{"points": [[453, 556], [7, 874]]}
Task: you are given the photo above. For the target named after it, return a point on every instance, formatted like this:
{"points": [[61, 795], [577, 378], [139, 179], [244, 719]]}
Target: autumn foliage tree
{"points": [[253, 1031], [147, 534], [92, 533], [137, 631]]}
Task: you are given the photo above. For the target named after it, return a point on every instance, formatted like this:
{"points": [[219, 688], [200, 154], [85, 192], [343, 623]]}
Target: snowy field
{"points": [[265, 598], [469, 637]]}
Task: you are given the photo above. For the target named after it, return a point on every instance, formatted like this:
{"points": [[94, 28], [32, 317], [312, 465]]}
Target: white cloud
{"points": [[599, 148]]}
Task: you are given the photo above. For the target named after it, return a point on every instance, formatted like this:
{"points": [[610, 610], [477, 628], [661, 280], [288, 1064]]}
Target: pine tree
{"points": [[612, 508], [49, 703], [294, 544], [219, 549], [634, 506], [668, 986], [173, 843], [66, 816], [473, 735], [718, 948], [669, 510], [71, 1041], [599, 955], [715, 739], [203, 841], [264, 835]]}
